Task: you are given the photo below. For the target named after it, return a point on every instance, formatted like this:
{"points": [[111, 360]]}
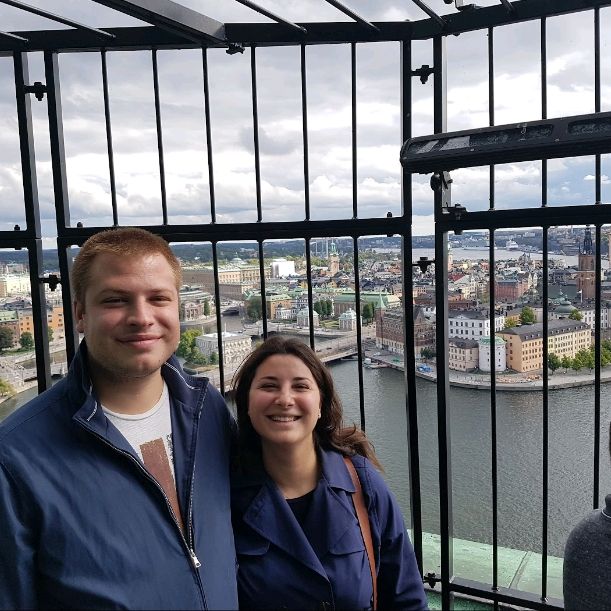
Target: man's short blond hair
{"points": [[124, 242]]}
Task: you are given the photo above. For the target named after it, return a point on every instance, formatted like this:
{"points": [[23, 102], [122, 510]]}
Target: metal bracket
{"points": [[431, 579], [423, 72], [38, 89], [423, 263], [233, 48], [52, 280], [441, 183]]}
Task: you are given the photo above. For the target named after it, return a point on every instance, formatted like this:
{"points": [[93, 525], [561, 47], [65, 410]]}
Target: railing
{"points": [[405, 42]]}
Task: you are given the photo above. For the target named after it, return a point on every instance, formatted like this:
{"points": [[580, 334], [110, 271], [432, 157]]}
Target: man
{"points": [[585, 581], [114, 484]]}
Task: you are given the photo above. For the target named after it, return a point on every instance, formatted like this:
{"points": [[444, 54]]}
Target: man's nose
{"points": [[140, 313]]}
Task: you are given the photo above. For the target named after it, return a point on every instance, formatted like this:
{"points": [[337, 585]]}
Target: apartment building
{"points": [[525, 343]]}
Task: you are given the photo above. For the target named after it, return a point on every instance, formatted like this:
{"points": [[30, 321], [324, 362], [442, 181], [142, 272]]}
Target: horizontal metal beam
{"points": [[172, 17], [227, 232], [550, 216], [53, 17]]}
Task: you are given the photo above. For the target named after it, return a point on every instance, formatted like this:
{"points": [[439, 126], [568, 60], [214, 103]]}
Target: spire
{"points": [[587, 242]]}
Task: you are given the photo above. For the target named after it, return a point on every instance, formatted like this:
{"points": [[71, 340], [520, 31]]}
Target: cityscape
{"points": [[515, 355]]}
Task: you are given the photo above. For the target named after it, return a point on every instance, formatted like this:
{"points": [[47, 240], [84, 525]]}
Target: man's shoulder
{"points": [[34, 416]]}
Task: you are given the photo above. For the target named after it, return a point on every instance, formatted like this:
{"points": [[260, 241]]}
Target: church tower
{"points": [[585, 263], [333, 260]]}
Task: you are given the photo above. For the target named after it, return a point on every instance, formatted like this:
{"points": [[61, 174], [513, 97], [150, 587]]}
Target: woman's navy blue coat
{"points": [[280, 568]]}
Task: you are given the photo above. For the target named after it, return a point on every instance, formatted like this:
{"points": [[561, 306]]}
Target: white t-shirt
{"points": [[150, 434]]}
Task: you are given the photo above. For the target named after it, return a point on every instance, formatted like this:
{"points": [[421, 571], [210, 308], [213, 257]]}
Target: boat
{"points": [[511, 245]]}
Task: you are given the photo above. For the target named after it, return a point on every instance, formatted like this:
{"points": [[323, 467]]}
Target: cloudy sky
{"points": [[570, 53]]}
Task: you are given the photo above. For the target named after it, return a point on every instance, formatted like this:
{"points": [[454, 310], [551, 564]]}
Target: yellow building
{"points": [[525, 344], [55, 321]]}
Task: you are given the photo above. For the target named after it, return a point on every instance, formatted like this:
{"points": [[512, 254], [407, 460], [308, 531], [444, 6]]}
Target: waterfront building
{"points": [[390, 334], [472, 324], [525, 343], [9, 319], [588, 313], [234, 280], [236, 347], [510, 289], [14, 284], [346, 300], [55, 322], [463, 354], [485, 356]]}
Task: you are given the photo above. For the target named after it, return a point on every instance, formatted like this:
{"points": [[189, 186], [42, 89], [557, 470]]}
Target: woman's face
{"points": [[284, 402]]}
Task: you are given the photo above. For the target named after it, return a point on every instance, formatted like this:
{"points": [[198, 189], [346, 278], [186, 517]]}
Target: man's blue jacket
{"points": [[83, 524]]}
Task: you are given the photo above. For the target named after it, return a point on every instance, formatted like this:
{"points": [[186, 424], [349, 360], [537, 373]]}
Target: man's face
{"points": [[129, 317]]}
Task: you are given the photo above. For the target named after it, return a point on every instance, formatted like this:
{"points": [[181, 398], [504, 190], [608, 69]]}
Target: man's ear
{"points": [[78, 309]]}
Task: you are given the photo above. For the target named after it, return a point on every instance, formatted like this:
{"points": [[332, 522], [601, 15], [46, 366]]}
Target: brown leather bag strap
{"points": [[363, 518]]}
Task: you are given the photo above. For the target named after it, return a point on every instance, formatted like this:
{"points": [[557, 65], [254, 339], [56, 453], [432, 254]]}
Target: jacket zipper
{"points": [[195, 563]]}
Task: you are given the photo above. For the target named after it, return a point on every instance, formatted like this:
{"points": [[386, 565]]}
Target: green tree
{"points": [[511, 321], [214, 358], [207, 307], [187, 343], [328, 307], [50, 334], [553, 362], [197, 358], [428, 353], [6, 389], [6, 338], [527, 316], [254, 309], [576, 315], [26, 341], [566, 363], [318, 308], [368, 312]]}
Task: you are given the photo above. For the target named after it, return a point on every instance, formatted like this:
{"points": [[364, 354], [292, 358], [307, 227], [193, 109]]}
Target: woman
{"points": [[298, 541]]}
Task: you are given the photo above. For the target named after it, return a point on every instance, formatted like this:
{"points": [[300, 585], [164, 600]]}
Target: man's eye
{"points": [[113, 300]]}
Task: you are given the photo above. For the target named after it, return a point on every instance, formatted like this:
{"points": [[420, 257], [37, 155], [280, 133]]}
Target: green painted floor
{"points": [[518, 569]]}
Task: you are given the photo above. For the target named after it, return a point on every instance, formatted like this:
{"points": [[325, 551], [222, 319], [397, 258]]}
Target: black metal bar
{"points": [[355, 183], [411, 398], [39, 311], [164, 203], [597, 94], [430, 12], [597, 367], [508, 596], [72, 336], [255, 129], [47, 15], [304, 116], [219, 324], [357, 306], [26, 145], [14, 37], [310, 297], [273, 16], [545, 434], [56, 137], [543, 44], [344, 9], [442, 331], [173, 17], [109, 147], [208, 136], [263, 289]]}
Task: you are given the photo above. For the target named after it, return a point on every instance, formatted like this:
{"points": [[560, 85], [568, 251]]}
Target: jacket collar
{"points": [[330, 522]]}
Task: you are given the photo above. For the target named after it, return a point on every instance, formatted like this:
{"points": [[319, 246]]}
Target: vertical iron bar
{"points": [[598, 267], [164, 203], [32, 215], [219, 324], [357, 305], [492, 310], [263, 290], [39, 311], [409, 360], [310, 298], [255, 129], [109, 147], [355, 211], [60, 191], [441, 299], [545, 351], [208, 135], [304, 118]]}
